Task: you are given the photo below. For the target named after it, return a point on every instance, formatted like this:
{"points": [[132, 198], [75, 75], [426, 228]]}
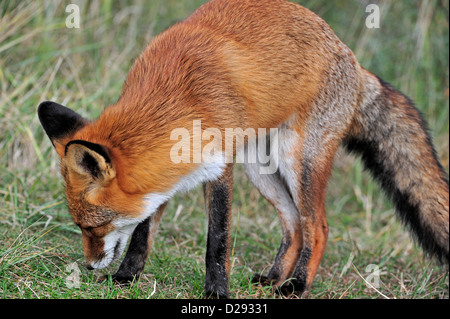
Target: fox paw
{"points": [[259, 279], [293, 289], [290, 289], [118, 279], [216, 293]]}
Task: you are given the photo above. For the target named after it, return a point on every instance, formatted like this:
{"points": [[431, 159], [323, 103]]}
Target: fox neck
{"points": [[205, 172]]}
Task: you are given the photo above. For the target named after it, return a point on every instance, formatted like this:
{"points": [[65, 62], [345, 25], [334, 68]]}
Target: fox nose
{"points": [[89, 267]]}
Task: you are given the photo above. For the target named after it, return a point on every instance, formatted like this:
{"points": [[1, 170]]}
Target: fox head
{"points": [[113, 179], [105, 214]]}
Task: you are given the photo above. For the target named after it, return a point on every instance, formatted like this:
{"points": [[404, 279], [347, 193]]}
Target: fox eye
{"points": [[87, 229]]}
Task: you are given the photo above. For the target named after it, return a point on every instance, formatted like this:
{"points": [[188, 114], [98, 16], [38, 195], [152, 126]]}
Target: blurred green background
{"points": [[41, 59]]}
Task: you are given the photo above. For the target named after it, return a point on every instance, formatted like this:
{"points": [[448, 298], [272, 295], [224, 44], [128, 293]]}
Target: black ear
{"points": [[58, 121]]}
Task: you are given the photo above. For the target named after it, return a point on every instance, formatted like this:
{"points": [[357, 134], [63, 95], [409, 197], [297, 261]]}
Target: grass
{"points": [[85, 68]]}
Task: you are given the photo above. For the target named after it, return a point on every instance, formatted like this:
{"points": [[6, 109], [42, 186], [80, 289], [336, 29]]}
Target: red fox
{"points": [[249, 64]]}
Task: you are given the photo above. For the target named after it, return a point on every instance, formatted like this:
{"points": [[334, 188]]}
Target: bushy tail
{"points": [[392, 137]]}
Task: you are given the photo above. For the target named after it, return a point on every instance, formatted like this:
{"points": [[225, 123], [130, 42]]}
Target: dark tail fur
{"points": [[392, 137]]}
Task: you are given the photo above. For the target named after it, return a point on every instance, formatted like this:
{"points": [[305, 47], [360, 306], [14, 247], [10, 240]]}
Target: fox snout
{"points": [[99, 252], [102, 258]]}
